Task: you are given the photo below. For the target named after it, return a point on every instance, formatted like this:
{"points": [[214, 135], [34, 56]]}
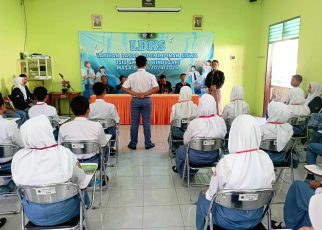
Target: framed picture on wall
{"points": [[96, 21], [197, 22]]}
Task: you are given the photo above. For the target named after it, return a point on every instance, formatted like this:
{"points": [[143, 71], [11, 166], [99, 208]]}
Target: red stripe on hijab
{"points": [[248, 150], [48, 147]]}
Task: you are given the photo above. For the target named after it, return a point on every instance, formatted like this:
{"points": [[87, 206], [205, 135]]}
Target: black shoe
{"points": [[150, 146], [174, 169], [112, 152], [277, 225], [131, 147], [309, 177], [2, 222], [105, 181]]}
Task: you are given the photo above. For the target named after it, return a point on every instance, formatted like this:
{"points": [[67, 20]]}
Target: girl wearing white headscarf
{"points": [[278, 129], [237, 105], [44, 162], [207, 125], [314, 98], [246, 167], [20, 95]]}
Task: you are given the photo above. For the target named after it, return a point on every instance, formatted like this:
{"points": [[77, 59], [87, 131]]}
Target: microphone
{"points": [[62, 76]]}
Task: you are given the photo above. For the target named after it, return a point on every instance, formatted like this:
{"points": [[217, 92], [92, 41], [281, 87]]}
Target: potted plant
{"points": [[65, 86]]}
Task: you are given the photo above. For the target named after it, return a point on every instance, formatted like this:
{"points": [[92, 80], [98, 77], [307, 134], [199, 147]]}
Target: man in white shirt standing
{"points": [[81, 129], [88, 79], [104, 110], [141, 85]]}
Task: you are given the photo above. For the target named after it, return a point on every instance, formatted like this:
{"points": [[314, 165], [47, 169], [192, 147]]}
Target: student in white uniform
{"points": [[237, 105], [101, 72], [298, 107], [103, 110], [82, 129], [185, 108], [246, 167], [9, 134], [208, 124], [44, 162], [141, 85], [88, 79], [295, 83], [278, 129]]}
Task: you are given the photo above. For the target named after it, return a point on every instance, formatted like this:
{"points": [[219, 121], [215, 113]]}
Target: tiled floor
{"points": [[143, 192]]}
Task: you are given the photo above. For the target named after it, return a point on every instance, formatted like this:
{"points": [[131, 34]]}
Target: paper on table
{"points": [[15, 119], [63, 119], [108, 137], [90, 170], [315, 169]]}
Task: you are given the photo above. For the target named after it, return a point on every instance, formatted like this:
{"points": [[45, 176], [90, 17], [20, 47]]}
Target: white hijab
{"points": [[316, 91], [237, 99], [208, 124], [185, 108], [20, 85], [246, 167], [297, 103], [42, 161], [278, 115]]}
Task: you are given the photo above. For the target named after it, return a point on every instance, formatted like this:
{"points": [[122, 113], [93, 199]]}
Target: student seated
{"points": [[246, 167], [119, 86], [41, 107], [109, 89], [11, 112], [20, 96], [296, 207], [237, 105], [185, 108], [82, 129], [314, 97], [295, 83], [278, 129], [9, 134], [182, 83], [207, 125], [44, 162], [298, 108], [165, 86], [103, 110]]}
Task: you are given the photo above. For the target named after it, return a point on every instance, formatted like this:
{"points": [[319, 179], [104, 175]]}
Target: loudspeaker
{"points": [[148, 3], [252, 0]]}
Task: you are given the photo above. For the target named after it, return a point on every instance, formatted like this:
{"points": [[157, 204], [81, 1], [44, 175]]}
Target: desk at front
{"points": [[161, 106]]}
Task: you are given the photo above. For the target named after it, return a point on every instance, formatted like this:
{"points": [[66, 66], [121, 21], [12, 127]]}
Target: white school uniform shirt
{"points": [[211, 126], [297, 104], [99, 76], [81, 129], [277, 127], [141, 81], [9, 134], [245, 167], [103, 110], [89, 72], [293, 92], [41, 108], [42, 161]]}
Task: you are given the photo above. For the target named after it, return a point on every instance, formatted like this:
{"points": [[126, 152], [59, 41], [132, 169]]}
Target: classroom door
{"points": [[281, 66]]}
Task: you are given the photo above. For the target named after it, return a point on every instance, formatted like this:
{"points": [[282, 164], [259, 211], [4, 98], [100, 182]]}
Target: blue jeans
{"points": [[18, 114], [277, 157], [88, 91], [313, 150], [111, 131], [141, 107]]}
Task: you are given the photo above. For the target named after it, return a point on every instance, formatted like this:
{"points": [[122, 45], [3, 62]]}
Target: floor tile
{"points": [[128, 183], [189, 215], [121, 197], [162, 216], [152, 182], [123, 217], [160, 197]]}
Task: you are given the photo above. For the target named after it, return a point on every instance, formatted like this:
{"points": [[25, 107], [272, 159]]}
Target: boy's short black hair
{"points": [[86, 62], [120, 77], [79, 105], [298, 77], [22, 75], [102, 67], [216, 61], [141, 61], [163, 77], [208, 61], [193, 66], [98, 88], [1, 100], [183, 74], [40, 93]]}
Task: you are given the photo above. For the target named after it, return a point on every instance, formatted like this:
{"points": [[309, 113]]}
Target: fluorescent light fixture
{"points": [[148, 9]]}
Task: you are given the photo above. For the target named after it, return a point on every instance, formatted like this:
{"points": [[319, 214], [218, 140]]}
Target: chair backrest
{"points": [[48, 194], [8, 150], [181, 123], [299, 121], [244, 199], [83, 147], [271, 145], [106, 123], [8, 102], [315, 210], [206, 144]]}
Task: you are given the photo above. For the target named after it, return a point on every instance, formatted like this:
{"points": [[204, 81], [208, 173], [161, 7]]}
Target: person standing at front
{"points": [[141, 85]]}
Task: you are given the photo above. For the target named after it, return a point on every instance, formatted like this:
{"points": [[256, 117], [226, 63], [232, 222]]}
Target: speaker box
{"points": [[148, 3], [252, 0]]}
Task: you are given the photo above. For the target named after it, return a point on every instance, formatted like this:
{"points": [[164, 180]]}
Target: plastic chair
{"points": [[7, 151], [315, 210], [108, 123], [88, 147], [300, 121], [246, 200], [200, 144], [271, 146], [182, 124], [50, 194]]}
